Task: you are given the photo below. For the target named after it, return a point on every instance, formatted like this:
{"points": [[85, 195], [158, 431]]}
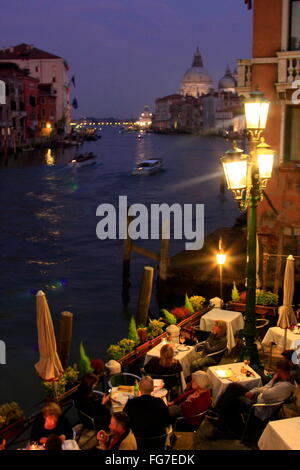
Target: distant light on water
{"points": [[49, 157]]}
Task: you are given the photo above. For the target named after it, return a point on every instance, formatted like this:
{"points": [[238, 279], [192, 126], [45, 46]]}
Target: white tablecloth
{"points": [[276, 335], [184, 357], [281, 435], [234, 321], [220, 384]]}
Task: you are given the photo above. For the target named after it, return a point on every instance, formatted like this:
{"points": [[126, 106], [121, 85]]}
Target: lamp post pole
{"points": [[250, 349]]}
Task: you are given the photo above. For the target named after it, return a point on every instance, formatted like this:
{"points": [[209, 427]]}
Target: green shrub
{"points": [[197, 302], [132, 331], [188, 304], [9, 413], [268, 299], [235, 296], [155, 328], [170, 318]]}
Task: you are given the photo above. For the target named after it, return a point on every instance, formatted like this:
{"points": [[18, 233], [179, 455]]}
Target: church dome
{"points": [[228, 82], [196, 80]]}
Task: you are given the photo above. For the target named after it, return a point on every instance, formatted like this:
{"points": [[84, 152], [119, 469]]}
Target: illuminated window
{"points": [[295, 25], [292, 135]]}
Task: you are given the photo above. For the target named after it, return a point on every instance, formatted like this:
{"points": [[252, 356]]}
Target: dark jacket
{"points": [[148, 416], [92, 406], [155, 369], [214, 343], [63, 427]]}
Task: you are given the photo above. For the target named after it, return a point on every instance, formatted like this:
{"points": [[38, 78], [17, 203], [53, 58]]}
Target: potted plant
{"points": [[67, 381], [11, 419], [266, 302], [197, 302]]}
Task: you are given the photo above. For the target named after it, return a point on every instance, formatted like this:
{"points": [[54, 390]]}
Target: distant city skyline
{"points": [[126, 53]]}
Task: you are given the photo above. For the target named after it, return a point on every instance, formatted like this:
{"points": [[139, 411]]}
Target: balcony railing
{"points": [[244, 76], [288, 69]]}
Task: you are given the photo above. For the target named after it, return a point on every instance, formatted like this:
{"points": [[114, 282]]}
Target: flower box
{"points": [[259, 309]]}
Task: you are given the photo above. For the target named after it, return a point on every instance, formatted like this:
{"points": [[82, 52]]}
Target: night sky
{"points": [[126, 53]]}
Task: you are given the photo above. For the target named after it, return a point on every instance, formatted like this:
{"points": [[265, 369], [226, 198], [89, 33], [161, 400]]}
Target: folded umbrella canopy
{"points": [[49, 366], [287, 317]]}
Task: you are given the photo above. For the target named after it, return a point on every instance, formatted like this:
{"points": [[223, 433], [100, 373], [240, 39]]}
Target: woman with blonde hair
{"points": [[164, 365], [50, 421], [216, 342], [193, 401]]}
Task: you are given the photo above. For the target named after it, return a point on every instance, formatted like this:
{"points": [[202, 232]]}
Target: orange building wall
{"points": [[267, 23]]}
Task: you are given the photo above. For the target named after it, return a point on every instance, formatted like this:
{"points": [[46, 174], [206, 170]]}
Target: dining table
{"points": [[222, 375], [276, 335], [282, 434], [234, 322]]}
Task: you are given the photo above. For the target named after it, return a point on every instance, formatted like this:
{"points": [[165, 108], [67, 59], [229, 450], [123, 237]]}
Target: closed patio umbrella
{"points": [[287, 317], [49, 366]]}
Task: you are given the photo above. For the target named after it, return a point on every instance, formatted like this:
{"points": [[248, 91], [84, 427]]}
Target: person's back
{"points": [[148, 416]]}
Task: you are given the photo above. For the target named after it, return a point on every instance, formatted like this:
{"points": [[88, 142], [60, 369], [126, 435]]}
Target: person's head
{"points": [[53, 442], [200, 380], [51, 412], [119, 423], [166, 355], [219, 328], [283, 370], [146, 385], [88, 383], [287, 354]]}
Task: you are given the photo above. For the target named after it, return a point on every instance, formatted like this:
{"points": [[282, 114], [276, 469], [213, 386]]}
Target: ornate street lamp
{"points": [[247, 176]]}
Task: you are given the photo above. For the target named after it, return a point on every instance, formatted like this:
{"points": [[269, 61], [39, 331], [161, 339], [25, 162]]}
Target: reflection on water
{"points": [[49, 157], [48, 238]]}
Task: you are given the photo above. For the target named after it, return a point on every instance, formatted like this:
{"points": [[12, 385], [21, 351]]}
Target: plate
{"points": [[121, 397], [160, 393], [182, 347]]}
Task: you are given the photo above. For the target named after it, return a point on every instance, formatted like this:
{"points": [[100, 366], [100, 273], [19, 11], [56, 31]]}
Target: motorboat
{"points": [[148, 167], [83, 159]]}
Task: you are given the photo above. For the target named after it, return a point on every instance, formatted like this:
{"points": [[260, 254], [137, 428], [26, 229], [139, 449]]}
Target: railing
{"points": [[288, 68], [244, 74]]}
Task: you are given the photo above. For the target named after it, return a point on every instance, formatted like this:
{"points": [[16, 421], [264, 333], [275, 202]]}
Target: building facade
{"points": [[47, 68], [47, 109], [275, 68], [12, 113]]}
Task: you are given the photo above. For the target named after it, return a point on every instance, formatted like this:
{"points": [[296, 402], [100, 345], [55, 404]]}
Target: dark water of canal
{"points": [[48, 239]]}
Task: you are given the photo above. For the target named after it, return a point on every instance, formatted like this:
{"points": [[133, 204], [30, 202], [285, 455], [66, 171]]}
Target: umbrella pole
{"points": [[284, 342]]}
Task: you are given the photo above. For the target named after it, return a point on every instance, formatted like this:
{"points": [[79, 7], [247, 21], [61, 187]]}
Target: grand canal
{"points": [[48, 239]]}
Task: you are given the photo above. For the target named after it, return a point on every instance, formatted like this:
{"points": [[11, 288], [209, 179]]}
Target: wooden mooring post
{"points": [[145, 296], [64, 337], [162, 258]]}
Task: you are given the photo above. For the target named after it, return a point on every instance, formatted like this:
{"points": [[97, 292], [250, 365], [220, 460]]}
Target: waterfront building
{"points": [[196, 80], [198, 108], [30, 98], [145, 119], [12, 113], [163, 120], [47, 68], [47, 109], [275, 66]]}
